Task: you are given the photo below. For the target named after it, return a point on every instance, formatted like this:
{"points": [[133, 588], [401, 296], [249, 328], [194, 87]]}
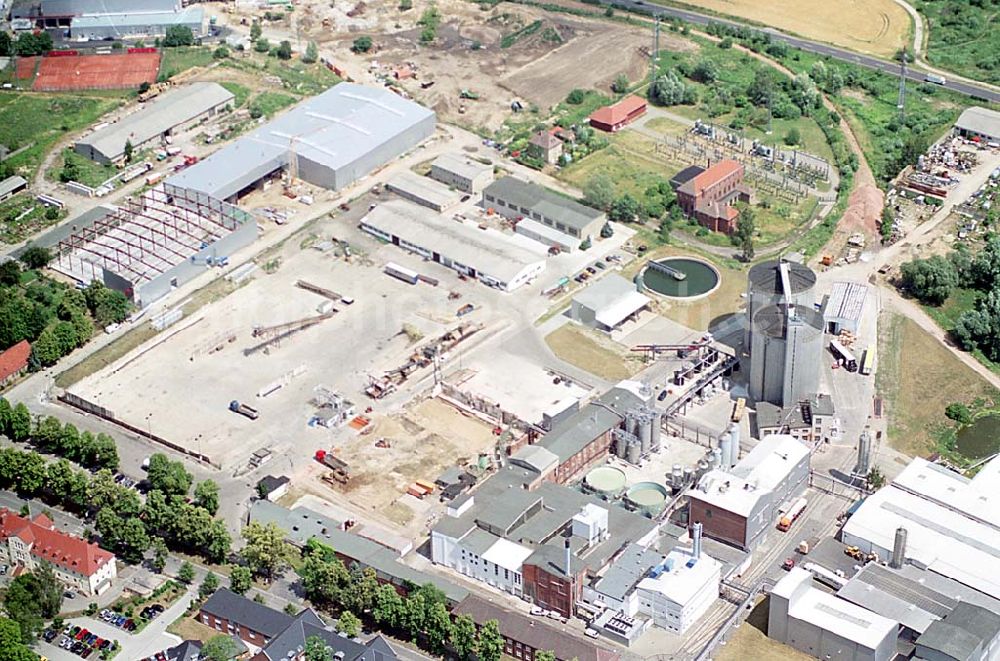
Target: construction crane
{"points": [[274, 334]]}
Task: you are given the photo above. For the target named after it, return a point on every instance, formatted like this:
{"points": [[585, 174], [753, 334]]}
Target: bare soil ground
{"points": [[589, 351], [880, 27]]}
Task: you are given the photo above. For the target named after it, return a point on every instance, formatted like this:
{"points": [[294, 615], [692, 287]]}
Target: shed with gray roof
{"points": [[979, 122], [515, 198]]}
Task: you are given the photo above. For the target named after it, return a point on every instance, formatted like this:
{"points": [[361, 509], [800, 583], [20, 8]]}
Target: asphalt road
{"points": [[892, 68]]}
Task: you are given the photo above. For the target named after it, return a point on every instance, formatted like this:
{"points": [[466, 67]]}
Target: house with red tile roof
{"points": [[614, 117], [79, 564], [14, 361], [707, 195]]}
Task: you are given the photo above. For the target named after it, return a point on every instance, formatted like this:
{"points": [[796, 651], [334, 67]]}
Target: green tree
{"points": [[625, 208], [31, 599], [206, 494], [208, 585], [544, 655], [930, 280], [316, 649], [746, 226], [46, 348], [285, 50], [6, 44], [620, 84], [266, 551], [255, 31], [10, 271], [463, 637], [489, 646], [793, 137], [20, 423], [36, 257], [168, 476], [240, 579], [291, 609], [186, 572], [705, 71], [405, 5], [178, 35], [599, 191], [220, 648], [670, 90], [362, 44], [437, 628], [576, 97], [607, 231], [875, 478], [12, 647], [979, 328], [129, 151], [349, 624], [262, 45], [958, 412], [311, 54], [159, 554], [388, 607], [220, 53]]}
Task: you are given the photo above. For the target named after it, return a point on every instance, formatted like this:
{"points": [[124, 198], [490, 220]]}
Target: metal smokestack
{"points": [[898, 549], [696, 540], [568, 557]]}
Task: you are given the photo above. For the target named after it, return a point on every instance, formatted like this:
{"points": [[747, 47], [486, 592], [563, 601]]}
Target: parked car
{"points": [[662, 396], [49, 635]]}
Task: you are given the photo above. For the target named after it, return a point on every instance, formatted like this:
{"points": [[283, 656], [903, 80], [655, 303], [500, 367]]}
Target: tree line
{"points": [[934, 279], [51, 435]]}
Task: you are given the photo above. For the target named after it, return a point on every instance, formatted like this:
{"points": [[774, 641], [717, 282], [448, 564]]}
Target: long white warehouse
{"points": [[491, 256]]}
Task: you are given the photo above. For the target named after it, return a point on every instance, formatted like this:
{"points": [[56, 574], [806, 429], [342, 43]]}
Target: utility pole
{"points": [[656, 49], [901, 103]]}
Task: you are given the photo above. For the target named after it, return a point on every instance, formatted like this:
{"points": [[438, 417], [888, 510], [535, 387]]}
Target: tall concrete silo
{"points": [[786, 354], [777, 281]]}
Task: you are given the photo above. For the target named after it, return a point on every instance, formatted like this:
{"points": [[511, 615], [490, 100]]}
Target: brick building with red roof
{"points": [[14, 361], [614, 117], [708, 195], [76, 562]]}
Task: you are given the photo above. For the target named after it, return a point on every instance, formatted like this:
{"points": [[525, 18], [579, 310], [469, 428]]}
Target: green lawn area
{"points": [[175, 60], [91, 172], [269, 103], [627, 160], [303, 79], [963, 37], [947, 314], [21, 216], [240, 92], [42, 119]]}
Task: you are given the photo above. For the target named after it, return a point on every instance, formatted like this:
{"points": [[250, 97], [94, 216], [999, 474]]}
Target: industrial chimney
{"points": [[568, 557], [864, 452], [898, 549], [696, 540]]}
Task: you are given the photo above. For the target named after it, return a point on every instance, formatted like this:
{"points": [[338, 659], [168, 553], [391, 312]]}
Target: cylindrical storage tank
{"points": [[688, 475], [634, 452], [648, 498], [703, 467], [634, 423], [606, 481], [764, 288], [655, 421], [734, 434], [645, 436], [898, 549], [716, 457], [726, 449], [864, 452], [677, 476], [786, 354]]}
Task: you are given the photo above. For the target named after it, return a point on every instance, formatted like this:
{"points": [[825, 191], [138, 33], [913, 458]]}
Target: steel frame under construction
{"points": [[152, 244]]}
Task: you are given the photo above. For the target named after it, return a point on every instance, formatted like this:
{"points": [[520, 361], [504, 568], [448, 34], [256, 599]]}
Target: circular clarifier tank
{"points": [[606, 480], [681, 277], [647, 497]]}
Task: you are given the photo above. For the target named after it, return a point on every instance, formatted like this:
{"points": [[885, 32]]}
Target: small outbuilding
{"points": [[614, 117], [608, 303], [11, 186], [462, 173]]}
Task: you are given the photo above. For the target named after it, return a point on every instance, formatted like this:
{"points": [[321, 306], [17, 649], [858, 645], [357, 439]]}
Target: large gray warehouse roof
{"points": [[765, 278], [175, 107], [335, 129], [546, 202], [980, 120], [189, 16], [92, 7]]}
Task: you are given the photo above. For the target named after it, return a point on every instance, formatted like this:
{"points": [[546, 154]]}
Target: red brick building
{"points": [[708, 195], [547, 584], [14, 361], [613, 118]]}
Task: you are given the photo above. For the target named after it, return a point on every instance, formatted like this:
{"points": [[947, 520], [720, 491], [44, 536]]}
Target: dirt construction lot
{"points": [[879, 27]]}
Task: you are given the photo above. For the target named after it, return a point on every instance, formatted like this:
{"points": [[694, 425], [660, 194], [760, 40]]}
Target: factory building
{"points": [[707, 195], [61, 13], [681, 590], [977, 123], [608, 303], [739, 505], [494, 258], [535, 539], [813, 420], [968, 632], [171, 112], [462, 173], [335, 138], [821, 625], [98, 27], [937, 519], [766, 286], [785, 354], [518, 199], [423, 191], [843, 308]]}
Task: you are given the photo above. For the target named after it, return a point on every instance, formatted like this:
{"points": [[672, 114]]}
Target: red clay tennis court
{"points": [[81, 72], [25, 68]]}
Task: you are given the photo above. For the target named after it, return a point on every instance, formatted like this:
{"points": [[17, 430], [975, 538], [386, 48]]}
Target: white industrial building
{"points": [[335, 139], [951, 523], [174, 110], [494, 258], [98, 27], [682, 590], [739, 505], [423, 191], [819, 624], [979, 123], [608, 303], [462, 173], [844, 307]]}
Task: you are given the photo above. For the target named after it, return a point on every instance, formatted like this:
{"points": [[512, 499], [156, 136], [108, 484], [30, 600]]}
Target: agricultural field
{"points": [[918, 377], [24, 125], [878, 27], [963, 36]]}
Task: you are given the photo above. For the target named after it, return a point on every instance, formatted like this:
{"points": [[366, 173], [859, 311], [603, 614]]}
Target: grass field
{"points": [[879, 27], [268, 103], [240, 92], [91, 172], [40, 120], [599, 356], [918, 378], [963, 38], [175, 60]]}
